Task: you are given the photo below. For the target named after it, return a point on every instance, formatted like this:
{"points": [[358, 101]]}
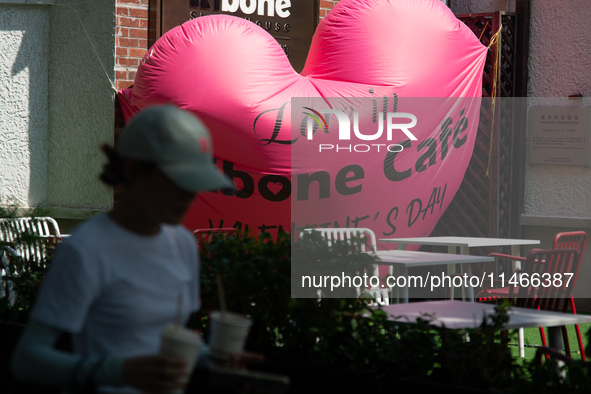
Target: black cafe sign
{"points": [[290, 22]]}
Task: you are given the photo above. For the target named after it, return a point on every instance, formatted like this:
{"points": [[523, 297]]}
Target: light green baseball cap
{"points": [[178, 143]]}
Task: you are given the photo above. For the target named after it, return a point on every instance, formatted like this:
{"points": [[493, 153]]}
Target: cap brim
{"points": [[192, 178]]}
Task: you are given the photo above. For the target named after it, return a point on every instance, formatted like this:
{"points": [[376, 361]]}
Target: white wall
{"points": [[558, 198], [56, 103], [559, 66], [24, 118], [81, 96]]}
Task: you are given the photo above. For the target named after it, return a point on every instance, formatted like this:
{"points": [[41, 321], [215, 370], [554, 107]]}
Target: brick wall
{"points": [[326, 6], [131, 44], [131, 39]]}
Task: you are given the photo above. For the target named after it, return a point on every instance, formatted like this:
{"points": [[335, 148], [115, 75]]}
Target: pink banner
{"points": [[237, 79]]}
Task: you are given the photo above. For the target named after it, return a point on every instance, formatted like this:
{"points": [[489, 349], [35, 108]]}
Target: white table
{"points": [[403, 259], [458, 314], [464, 243]]}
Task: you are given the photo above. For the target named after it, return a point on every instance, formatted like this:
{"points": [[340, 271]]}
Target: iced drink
{"points": [[182, 343], [228, 332]]}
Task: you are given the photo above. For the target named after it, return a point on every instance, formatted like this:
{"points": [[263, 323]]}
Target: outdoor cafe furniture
{"points": [[45, 228], [572, 239], [400, 260], [457, 314], [464, 243], [365, 240], [45, 232], [546, 282]]}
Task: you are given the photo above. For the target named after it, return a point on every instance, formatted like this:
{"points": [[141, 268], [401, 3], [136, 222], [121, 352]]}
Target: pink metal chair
{"points": [[572, 239], [555, 269]]}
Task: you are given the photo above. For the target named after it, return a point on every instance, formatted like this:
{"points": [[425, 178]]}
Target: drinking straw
{"points": [[179, 309], [221, 294]]}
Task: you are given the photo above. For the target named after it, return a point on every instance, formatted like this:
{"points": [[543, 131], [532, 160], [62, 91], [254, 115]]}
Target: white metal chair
{"points": [[44, 228], [348, 235], [6, 285], [43, 232]]}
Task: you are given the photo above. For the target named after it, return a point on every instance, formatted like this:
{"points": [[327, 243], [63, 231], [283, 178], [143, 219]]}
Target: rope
{"points": [[483, 30], [494, 40]]}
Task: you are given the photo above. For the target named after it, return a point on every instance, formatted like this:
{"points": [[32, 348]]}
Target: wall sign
{"points": [[290, 22], [560, 135]]}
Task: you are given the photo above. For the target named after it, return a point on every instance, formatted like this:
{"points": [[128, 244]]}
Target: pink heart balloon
{"points": [[401, 56]]}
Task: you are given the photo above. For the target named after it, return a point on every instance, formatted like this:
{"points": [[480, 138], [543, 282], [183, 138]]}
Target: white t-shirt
{"points": [[115, 290]]}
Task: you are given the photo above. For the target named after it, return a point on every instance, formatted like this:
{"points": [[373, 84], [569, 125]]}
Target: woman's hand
{"points": [[155, 374]]}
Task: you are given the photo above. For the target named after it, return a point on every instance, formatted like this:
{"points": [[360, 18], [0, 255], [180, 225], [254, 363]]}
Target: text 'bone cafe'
{"points": [[248, 7]]}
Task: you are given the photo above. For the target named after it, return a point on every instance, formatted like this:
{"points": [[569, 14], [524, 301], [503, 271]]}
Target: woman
{"points": [[115, 282]]}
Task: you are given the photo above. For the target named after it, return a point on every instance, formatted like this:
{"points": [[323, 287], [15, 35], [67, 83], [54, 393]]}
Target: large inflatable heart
{"points": [[292, 164]]}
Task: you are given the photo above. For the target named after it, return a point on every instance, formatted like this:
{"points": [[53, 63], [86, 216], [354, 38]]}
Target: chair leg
{"points": [[578, 330], [580, 340], [521, 343], [543, 335], [565, 340]]}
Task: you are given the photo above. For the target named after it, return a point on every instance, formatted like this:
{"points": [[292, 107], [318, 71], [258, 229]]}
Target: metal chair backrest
{"points": [[547, 279], [573, 240], [366, 235], [27, 238], [365, 241], [41, 230]]}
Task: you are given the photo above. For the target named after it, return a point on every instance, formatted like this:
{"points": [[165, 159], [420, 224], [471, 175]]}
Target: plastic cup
{"points": [[182, 343], [228, 334]]}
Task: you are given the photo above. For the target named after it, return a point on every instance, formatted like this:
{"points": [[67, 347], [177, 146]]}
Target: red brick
{"points": [[326, 4], [144, 23], [132, 74], [127, 42], [136, 2], [145, 2], [121, 51], [130, 22], [137, 52], [143, 43], [124, 11], [119, 75], [138, 33], [138, 12], [134, 62], [128, 62], [122, 31], [323, 13]]}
